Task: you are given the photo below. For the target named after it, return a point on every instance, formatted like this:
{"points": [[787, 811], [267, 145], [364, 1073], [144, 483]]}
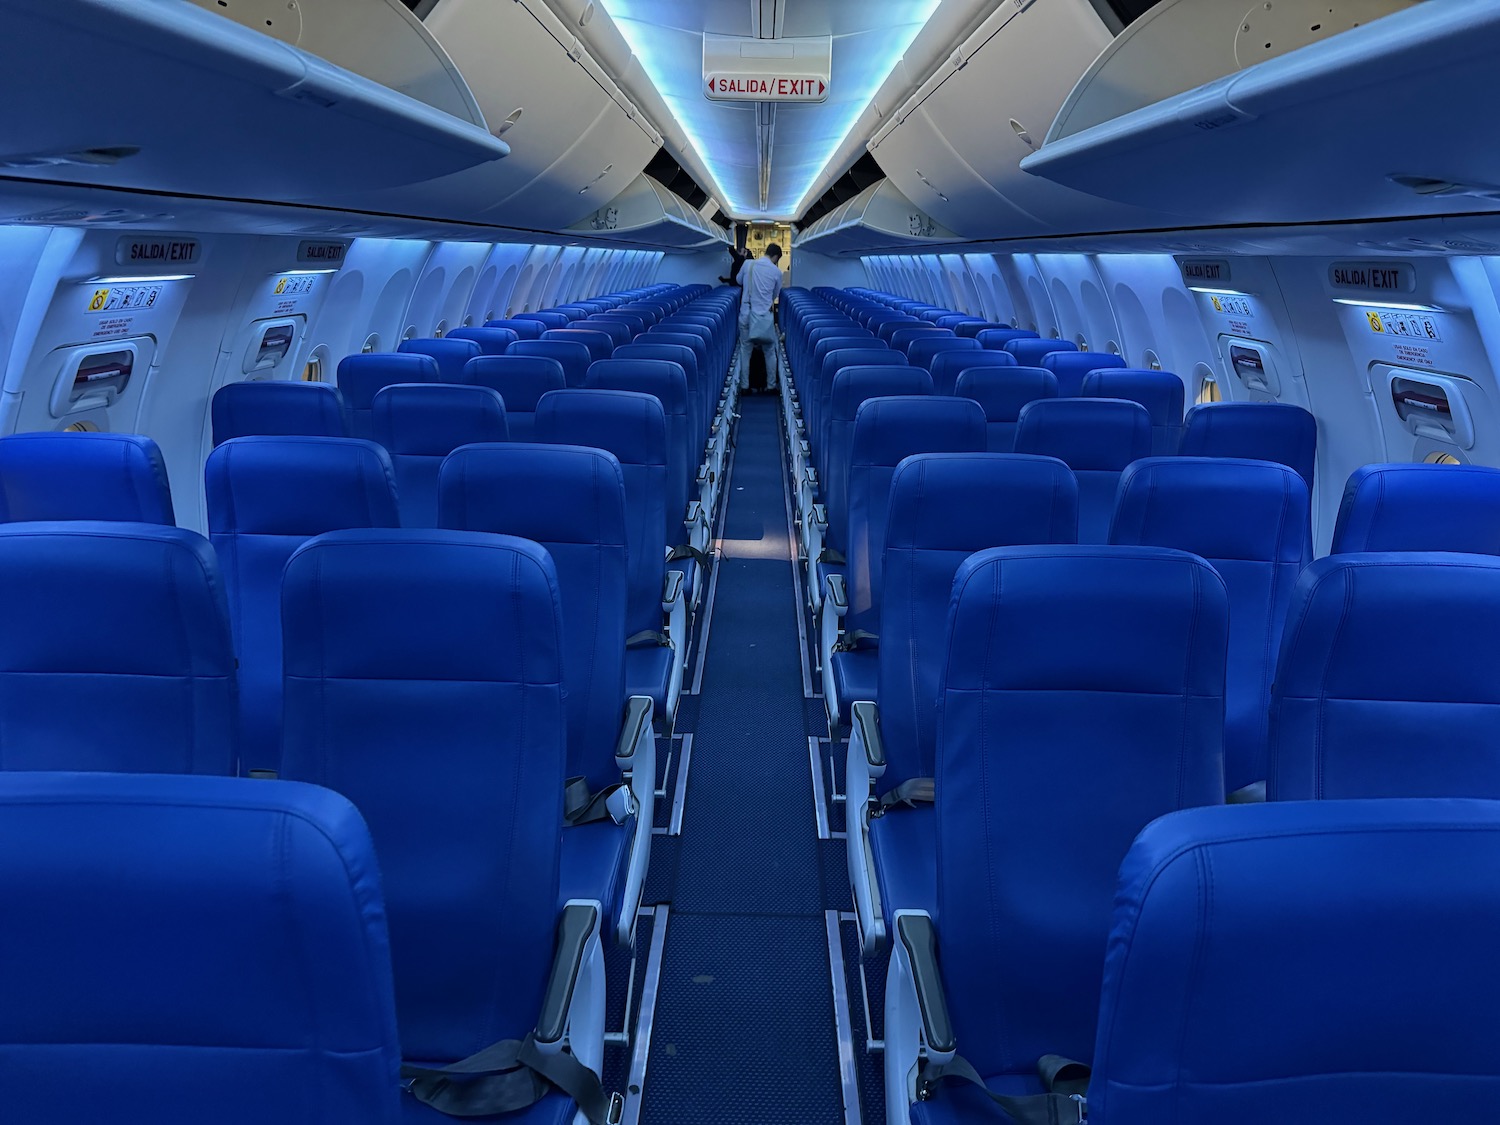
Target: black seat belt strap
{"points": [[509, 1076], [685, 551], [648, 638], [911, 792], [580, 806], [856, 639], [1065, 1105]]}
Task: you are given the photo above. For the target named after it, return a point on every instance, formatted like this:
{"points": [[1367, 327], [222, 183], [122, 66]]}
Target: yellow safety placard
{"points": [[101, 298], [280, 286], [1376, 324], [1218, 307]]}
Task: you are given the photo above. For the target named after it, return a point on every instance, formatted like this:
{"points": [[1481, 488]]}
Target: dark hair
{"points": [[773, 251]]}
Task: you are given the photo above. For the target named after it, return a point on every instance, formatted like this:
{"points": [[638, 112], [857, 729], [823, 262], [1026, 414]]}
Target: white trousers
{"points": [[757, 331]]}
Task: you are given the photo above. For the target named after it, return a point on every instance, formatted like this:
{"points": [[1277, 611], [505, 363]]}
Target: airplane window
{"points": [[441, 330], [1083, 345], [410, 333], [1153, 361], [1111, 347], [1208, 391], [372, 344], [312, 372], [1441, 459], [81, 428], [490, 315], [468, 322]]}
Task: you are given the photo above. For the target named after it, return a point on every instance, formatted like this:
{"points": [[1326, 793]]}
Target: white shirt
{"points": [[760, 278]]}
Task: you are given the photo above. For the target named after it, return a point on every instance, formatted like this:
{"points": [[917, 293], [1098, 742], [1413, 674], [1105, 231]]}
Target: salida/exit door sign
{"points": [[742, 69]]}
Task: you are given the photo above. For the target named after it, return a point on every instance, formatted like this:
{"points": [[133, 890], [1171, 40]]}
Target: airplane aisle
{"points": [[744, 1025]]}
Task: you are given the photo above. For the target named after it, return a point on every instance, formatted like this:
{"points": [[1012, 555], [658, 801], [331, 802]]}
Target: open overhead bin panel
{"points": [[267, 120], [955, 147], [1372, 121], [648, 214], [879, 218]]}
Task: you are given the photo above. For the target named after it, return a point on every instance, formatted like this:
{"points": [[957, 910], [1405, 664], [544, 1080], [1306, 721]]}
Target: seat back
{"points": [[923, 351], [450, 354], [194, 949], [520, 381], [1415, 507], [53, 475], [1374, 693], [1002, 392], [115, 652], [633, 427], [830, 364], [424, 682], [491, 341], [573, 356], [851, 388], [1262, 431], [1160, 392], [599, 343], [266, 497], [886, 431], [419, 424], [885, 329], [948, 365], [1071, 368], [668, 383], [1082, 697], [618, 331], [1031, 351], [361, 377], [1311, 901], [903, 338], [1249, 519], [570, 500], [524, 329], [276, 406], [943, 508], [546, 318], [1097, 438], [996, 336]]}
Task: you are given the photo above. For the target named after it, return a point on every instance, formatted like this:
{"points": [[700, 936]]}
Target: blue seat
{"points": [[817, 397], [633, 427], [1031, 351], [1082, 696], [1261, 431], [1248, 519], [923, 351], [619, 331], [194, 949], [425, 683], [524, 329], [599, 343], [546, 318], [953, 320], [570, 354], [571, 501], [903, 339], [634, 323], [947, 366], [1002, 392], [850, 388], [1382, 689], [449, 353], [1160, 392], [52, 475], [1097, 438], [491, 341], [419, 424], [266, 497], [1311, 902], [943, 508], [115, 652], [886, 431], [277, 406], [361, 377], [995, 338], [1071, 368], [1415, 507], [520, 381], [886, 329]]}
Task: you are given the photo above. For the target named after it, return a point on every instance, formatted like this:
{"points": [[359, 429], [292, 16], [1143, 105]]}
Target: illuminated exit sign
{"points": [[739, 69]]}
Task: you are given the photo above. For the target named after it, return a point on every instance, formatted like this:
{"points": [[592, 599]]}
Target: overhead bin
{"points": [[955, 147], [267, 120], [879, 218], [650, 214], [1376, 121]]}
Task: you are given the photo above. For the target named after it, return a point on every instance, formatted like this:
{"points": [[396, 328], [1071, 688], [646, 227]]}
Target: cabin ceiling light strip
{"points": [[1219, 292], [1386, 305], [143, 279]]}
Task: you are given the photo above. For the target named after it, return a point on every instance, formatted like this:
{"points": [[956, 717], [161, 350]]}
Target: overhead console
{"points": [[878, 219], [1299, 111], [649, 214]]}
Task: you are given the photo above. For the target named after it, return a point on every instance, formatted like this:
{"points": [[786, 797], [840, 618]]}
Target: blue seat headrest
{"points": [[888, 429], [434, 419], [629, 424], [491, 341], [1004, 389], [1090, 434], [1160, 392], [298, 486], [451, 355], [660, 377], [53, 475], [1265, 431], [969, 501], [1217, 507], [277, 406], [854, 385], [1416, 507], [541, 487], [1030, 351], [361, 376], [524, 329], [521, 379]]}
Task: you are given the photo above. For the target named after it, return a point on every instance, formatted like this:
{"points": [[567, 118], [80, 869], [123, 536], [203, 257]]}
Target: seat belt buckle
{"points": [[616, 1111], [621, 804], [1083, 1106]]}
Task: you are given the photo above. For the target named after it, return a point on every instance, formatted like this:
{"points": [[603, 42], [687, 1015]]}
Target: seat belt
{"points": [[509, 1076], [580, 806], [1064, 1103], [911, 792], [833, 557], [687, 551], [857, 638], [648, 638]]}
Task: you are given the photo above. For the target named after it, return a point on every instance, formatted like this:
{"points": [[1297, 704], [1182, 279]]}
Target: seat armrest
{"points": [[636, 726], [671, 590], [918, 937], [819, 513], [865, 717], [578, 923], [837, 594]]}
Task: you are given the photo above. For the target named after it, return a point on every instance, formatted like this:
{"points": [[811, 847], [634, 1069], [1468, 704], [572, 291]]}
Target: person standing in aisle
{"points": [[760, 279]]}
